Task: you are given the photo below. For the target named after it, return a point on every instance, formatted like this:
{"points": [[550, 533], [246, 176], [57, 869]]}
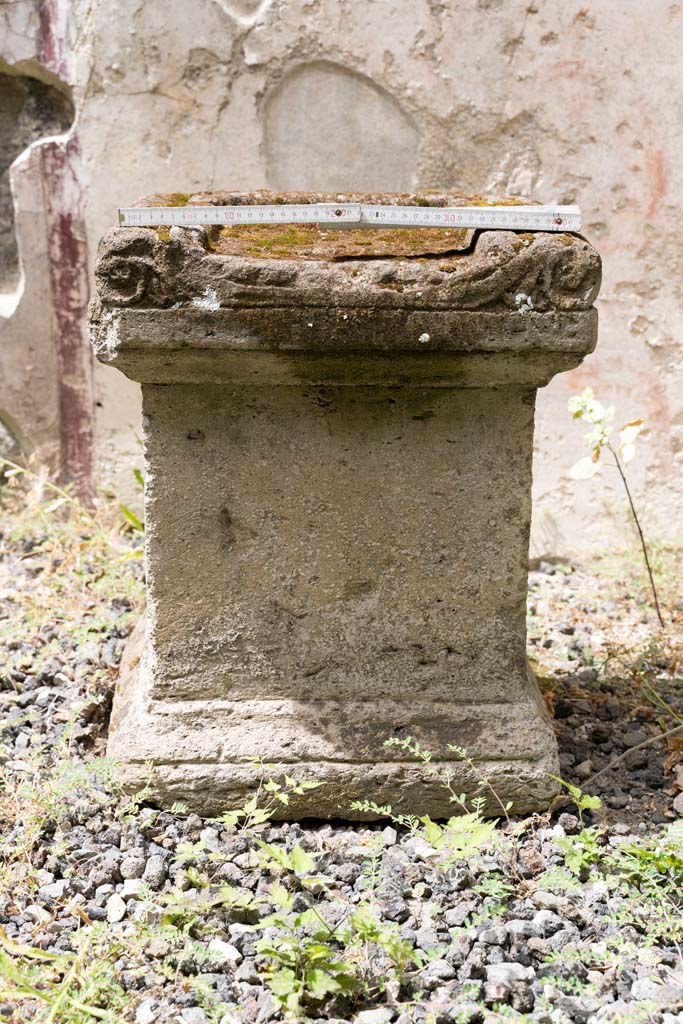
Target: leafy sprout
{"points": [[586, 407]]}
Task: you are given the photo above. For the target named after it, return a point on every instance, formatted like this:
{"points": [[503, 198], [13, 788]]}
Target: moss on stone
{"points": [[309, 242], [178, 198]]}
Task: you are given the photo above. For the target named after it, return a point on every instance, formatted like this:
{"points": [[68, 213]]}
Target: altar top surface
{"points": [[257, 265], [311, 242]]}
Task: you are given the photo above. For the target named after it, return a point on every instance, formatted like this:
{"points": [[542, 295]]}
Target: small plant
{"points": [[586, 407], [494, 886], [188, 911], [559, 880], [79, 988], [582, 852], [462, 835], [297, 862], [305, 968], [655, 865], [43, 800], [367, 927], [583, 801], [586, 849], [131, 517], [372, 868], [255, 812], [650, 878]]}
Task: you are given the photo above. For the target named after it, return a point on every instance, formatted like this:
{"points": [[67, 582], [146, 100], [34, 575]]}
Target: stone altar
{"points": [[338, 437]]}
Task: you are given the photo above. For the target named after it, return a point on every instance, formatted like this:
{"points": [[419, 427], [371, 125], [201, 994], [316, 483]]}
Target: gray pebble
{"points": [[456, 916], [645, 988], [390, 836], [521, 997], [146, 1012], [496, 936], [247, 972], [436, 972], [496, 992], [379, 1015], [155, 872], [519, 929], [193, 1015], [507, 973], [546, 923], [116, 908], [426, 938], [132, 888], [563, 936], [633, 737], [132, 866], [56, 890], [225, 951], [106, 868]]}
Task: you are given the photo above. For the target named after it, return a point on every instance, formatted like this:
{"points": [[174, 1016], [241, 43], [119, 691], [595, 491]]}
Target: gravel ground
{"points": [[535, 924], [614, 685]]}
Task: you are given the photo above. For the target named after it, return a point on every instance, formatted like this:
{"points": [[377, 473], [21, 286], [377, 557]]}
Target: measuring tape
{"points": [[359, 215]]}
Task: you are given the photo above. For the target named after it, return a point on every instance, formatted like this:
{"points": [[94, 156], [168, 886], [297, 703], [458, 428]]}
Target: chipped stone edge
{"points": [[137, 269]]}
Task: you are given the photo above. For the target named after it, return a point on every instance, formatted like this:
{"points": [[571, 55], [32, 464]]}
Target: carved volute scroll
{"points": [[485, 270], [132, 269]]}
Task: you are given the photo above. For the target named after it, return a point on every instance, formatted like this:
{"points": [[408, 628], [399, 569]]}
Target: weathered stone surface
{"points": [[338, 506]]}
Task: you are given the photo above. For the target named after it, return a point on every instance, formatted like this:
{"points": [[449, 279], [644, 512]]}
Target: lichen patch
{"points": [[310, 242]]}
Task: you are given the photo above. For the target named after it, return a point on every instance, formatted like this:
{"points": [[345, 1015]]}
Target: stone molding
{"points": [[135, 268], [178, 309]]}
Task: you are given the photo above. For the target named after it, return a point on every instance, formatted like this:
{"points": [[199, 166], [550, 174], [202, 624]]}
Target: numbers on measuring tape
{"points": [[514, 218]]}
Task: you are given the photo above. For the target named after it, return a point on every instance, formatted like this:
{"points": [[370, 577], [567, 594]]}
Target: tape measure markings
{"points": [[515, 218]]}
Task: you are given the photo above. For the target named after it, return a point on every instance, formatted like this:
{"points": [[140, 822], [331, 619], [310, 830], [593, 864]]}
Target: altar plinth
{"points": [[338, 440]]}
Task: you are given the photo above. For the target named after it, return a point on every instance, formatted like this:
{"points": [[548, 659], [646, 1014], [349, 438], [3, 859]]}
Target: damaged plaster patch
{"points": [[30, 109], [111, 335], [245, 12], [480, 150], [208, 300], [649, 330], [328, 128]]}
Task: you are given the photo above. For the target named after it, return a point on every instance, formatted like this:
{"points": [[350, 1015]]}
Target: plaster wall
{"points": [[572, 102]]}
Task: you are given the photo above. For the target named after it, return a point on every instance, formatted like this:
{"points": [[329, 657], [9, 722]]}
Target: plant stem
{"points": [[651, 739], [640, 533]]}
